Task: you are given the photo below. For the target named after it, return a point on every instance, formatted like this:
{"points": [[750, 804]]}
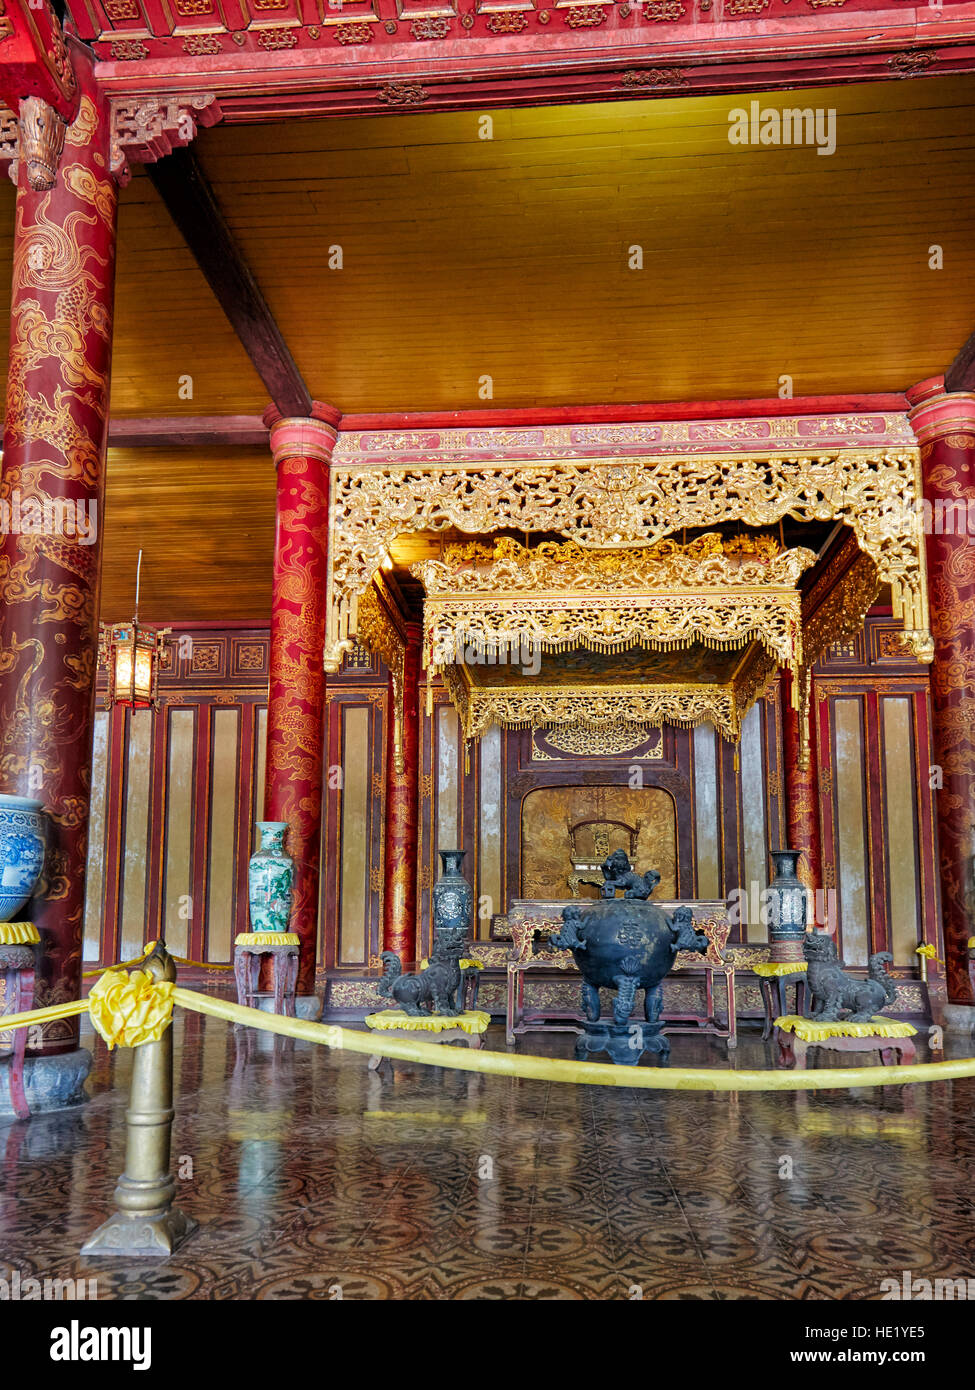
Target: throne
{"points": [[591, 842]]}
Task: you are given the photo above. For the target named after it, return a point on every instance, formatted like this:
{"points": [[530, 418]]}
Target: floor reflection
{"points": [[313, 1178]]}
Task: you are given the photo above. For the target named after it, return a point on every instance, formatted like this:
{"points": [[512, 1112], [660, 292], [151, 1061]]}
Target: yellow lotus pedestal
{"points": [[888, 1036], [436, 1028]]}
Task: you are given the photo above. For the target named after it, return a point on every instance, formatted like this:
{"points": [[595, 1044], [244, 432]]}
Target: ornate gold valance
{"points": [[556, 596], [538, 705], [501, 606]]}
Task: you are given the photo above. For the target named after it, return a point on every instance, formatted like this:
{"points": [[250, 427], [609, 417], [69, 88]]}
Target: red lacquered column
{"points": [[403, 807], [54, 467], [296, 687], [945, 426], [801, 790]]}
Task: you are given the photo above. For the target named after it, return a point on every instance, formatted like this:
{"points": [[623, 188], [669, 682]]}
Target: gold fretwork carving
{"points": [[145, 129], [606, 741], [608, 504]]}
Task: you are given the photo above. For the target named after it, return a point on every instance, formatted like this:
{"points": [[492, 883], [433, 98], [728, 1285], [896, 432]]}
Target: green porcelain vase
{"points": [[270, 879]]}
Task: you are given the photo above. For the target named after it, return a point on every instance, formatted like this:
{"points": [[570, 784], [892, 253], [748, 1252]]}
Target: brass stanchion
{"points": [[145, 1221]]}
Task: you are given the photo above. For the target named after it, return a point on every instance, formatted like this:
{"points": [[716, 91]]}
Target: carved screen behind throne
{"points": [[550, 814]]}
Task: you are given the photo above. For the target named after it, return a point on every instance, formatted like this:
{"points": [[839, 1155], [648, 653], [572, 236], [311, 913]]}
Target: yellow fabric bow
{"points": [[129, 1010]]}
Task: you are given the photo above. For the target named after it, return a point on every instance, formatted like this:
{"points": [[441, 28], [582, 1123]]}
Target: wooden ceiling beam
{"points": [[187, 432], [960, 376], [183, 187]]}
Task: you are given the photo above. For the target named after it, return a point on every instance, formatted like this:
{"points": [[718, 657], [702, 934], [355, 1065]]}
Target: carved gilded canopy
{"points": [[613, 504], [491, 611], [720, 592]]}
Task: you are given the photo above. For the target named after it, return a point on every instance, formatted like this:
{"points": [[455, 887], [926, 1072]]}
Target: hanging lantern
{"points": [[132, 652]]}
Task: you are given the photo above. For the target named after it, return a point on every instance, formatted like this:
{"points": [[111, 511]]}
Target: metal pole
{"points": [[145, 1222]]}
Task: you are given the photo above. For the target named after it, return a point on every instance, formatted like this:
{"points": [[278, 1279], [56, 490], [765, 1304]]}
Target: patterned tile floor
{"points": [[306, 1171]]}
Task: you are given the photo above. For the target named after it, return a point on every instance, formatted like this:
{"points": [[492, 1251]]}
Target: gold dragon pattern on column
{"points": [[296, 685], [53, 484]]}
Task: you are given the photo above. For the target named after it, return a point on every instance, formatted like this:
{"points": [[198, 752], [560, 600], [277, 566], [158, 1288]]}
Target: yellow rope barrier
{"points": [[529, 1066], [48, 1015], [128, 964], [584, 1073]]}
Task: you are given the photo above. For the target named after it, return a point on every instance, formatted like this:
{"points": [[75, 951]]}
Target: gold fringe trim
{"points": [[473, 1021], [19, 934], [808, 1030], [267, 938]]}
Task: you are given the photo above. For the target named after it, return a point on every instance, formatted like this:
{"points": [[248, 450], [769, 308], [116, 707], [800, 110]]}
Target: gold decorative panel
{"points": [[549, 812]]}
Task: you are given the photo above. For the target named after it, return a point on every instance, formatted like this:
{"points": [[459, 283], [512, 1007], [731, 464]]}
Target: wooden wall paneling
{"points": [[775, 776], [156, 852], [115, 819], [97, 835], [222, 845], [428, 821], [729, 819], [852, 821], [930, 879], [679, 746], [245, 816], [899, 796], [197, 946], [878, 928], [467, 803], [377, 819], [331, 820], [135, 880]]}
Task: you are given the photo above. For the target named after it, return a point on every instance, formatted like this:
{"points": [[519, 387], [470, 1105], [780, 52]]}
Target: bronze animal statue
{"points": [[617, 874], [832, 990], [437, 986]]}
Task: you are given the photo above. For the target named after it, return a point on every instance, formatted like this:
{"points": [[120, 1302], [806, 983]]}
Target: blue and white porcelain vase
{"points": [[453, 896], [22, 844], [270, 879]]}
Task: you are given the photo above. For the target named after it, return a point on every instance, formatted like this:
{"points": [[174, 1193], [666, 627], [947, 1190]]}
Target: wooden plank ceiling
{"points": [[465, 257]]}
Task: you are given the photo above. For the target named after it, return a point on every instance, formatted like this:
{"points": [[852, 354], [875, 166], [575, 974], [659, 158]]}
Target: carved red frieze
{"points": [[266, 58], [780, 434]]}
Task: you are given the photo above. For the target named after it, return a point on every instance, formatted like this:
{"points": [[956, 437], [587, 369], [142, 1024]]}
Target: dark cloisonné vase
{"points": [[787, 907], [453, 896]]}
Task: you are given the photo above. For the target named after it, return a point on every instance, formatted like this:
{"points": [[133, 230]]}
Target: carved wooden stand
{"points": [[284, 976], [776, 987], [17, 965], [893, 1051]]}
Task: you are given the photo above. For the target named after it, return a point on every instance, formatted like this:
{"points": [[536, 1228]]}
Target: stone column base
{"points": [[959, 1018], [51, 1083]]}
